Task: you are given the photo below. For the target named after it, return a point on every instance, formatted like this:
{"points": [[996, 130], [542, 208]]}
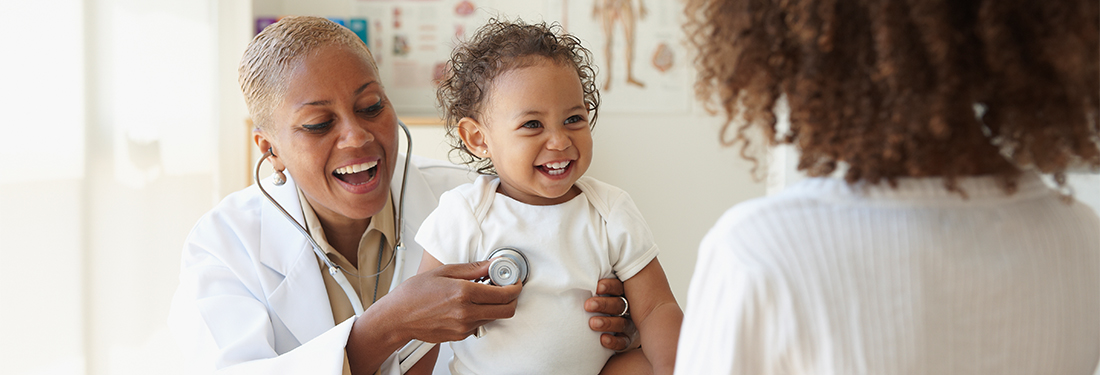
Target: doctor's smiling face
{"points": [[335, 132]]}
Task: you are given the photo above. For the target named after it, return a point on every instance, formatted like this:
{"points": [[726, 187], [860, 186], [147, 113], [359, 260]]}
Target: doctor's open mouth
{"points": [[357, 174]]}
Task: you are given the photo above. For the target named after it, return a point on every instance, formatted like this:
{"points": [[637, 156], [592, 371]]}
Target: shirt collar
{"points": [[382, 222]]}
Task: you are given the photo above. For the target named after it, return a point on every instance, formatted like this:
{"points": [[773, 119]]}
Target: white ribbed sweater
{"points": [[826, 278]]}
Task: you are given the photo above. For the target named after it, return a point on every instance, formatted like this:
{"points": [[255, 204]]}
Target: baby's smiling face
{"points": [[535, 128]]}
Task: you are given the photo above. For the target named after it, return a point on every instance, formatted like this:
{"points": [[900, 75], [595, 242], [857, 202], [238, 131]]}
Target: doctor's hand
{"points": [[435, 306], [443, 305], [619, 331]]}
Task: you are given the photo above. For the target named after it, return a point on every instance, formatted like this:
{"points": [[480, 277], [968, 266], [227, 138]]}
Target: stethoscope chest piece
{"points": [[509, 267]]}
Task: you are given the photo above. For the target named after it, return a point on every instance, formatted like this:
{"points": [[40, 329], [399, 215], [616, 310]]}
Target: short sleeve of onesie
{"points": [[451, 231], [630, 242]]}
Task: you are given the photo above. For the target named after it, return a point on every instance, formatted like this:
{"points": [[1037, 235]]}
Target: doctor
{"points": [[254, 297]]}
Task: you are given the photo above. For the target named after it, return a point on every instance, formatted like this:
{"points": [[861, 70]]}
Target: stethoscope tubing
{"points": [[335, 270], [414, 350]]}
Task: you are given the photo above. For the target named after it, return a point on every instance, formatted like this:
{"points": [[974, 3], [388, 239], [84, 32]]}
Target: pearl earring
{"points": [[279, 178]]}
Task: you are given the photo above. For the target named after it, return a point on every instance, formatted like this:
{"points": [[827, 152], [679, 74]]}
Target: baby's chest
{"points": [[563, 253]]}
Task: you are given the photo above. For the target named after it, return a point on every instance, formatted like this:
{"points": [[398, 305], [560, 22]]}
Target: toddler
{"points": [[519, 105]]}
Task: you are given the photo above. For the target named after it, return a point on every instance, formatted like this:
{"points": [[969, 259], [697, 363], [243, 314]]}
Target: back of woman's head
{"points": [[277, 50], [908, 88]]}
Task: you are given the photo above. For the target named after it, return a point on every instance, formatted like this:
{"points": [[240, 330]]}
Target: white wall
{"points": [[152, 146], [108, 159], [41, 197]]}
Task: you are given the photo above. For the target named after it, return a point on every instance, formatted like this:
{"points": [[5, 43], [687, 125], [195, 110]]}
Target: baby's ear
{"points": [[473, 136]]}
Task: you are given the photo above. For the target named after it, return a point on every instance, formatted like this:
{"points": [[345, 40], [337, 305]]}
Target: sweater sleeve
{"points": [[737, 318], [726, 318]]}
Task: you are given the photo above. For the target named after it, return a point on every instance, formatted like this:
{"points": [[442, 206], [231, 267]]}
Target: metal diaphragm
{"points": [[509, 266]]}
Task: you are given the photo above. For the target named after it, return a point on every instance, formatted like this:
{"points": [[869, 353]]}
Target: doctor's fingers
{"points": [[611, 324], [476, 304], [605, 305], [610, 287], [457, 324], [490, 312], [616, 342], [464, 271], [482, 294]]}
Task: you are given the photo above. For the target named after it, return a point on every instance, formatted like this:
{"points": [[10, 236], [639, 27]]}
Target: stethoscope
{"points": [[335, 270], [509, 265]]}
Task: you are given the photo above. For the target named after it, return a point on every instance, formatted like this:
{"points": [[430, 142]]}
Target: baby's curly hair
{"points": [[945, 88], [496, 48]]}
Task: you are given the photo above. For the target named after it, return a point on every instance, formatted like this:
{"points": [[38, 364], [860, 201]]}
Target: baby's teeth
{"points": [[558, 165]]}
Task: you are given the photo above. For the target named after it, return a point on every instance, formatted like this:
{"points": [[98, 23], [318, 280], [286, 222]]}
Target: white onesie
{"points": [[569, 246]]}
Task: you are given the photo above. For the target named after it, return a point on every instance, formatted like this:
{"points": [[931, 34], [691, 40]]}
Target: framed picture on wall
{"points": [[637, 46]]}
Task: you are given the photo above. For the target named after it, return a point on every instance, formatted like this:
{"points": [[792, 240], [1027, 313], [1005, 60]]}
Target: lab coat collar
{"points": [[297, 293], [417, 193], [280, 234], [289, 254], [420, 200]]}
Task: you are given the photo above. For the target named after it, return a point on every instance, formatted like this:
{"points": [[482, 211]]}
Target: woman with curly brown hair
{"points": [[940, 251]]}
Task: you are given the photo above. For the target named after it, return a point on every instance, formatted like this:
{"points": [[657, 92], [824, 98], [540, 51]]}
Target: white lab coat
{"points": [[251, 298]]}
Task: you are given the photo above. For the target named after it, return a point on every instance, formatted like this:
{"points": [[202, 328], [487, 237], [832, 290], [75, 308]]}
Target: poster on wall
{"points": [[636, 45]]}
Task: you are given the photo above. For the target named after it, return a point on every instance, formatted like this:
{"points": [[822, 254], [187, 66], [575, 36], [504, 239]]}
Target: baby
{"points": [[519, 105]]}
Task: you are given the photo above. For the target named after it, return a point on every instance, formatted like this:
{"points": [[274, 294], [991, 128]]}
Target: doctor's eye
{"points": [[317, 128], [374, 109], [533, 124]]}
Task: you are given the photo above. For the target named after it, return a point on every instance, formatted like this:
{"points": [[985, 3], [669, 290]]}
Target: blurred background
{"points": [[123, 123]]}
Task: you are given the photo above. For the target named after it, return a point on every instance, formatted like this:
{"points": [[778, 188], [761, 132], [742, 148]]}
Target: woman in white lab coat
{"points": [[252, 295]]}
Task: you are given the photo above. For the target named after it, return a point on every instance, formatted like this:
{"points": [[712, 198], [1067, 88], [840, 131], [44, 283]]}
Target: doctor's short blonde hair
{"points": [[275, 52]]}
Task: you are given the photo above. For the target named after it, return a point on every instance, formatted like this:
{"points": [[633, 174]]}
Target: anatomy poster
{"points": [[636, 45]]}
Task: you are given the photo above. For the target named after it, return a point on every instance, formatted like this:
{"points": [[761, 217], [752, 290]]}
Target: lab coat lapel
{"points": [[417, 194], [419, 202], [296, 292], [299, 297]]}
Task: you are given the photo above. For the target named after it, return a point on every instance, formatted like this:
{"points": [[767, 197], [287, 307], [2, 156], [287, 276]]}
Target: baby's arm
{"points": [[654, 311]]}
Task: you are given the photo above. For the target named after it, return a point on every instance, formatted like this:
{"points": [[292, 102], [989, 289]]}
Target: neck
{"points": [[344, 236]]}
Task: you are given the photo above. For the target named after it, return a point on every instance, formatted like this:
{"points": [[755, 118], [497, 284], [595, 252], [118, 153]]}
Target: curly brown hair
{"points": [[893, 88], [498, 47]]}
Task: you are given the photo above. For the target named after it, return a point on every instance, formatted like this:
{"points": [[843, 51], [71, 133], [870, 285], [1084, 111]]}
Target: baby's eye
{"points": [[533, 124], [574, 118]]}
